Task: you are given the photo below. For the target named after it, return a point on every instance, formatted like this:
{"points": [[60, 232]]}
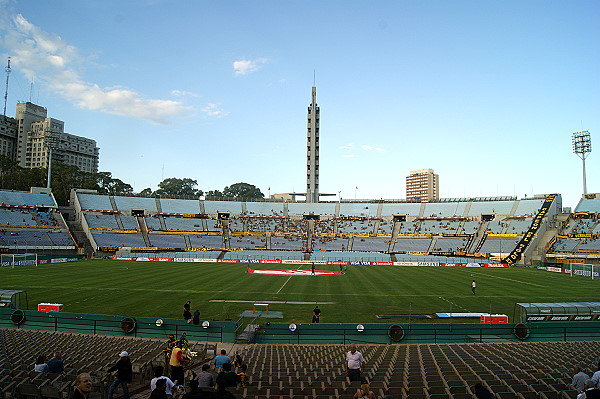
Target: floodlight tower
{"points": [[582, 146], [6, 91]]}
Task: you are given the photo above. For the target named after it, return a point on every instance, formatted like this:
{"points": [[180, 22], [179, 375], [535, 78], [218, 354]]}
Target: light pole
{"points": [[51, 143], [582, 146]]}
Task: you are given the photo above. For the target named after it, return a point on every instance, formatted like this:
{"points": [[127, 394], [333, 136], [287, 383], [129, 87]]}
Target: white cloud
{"points": [[348, 155], [214, 110], [245, 67], [183, 93], [346, 147], [370, 148], [54, 62]]}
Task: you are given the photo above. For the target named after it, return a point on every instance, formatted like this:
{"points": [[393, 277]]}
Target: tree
{"points": [[243, 190], [147, 192], [112, 186], [214, 194], [178, 187]]}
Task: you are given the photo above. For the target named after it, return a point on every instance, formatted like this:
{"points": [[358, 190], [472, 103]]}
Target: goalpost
{"points": [[12, 260]]}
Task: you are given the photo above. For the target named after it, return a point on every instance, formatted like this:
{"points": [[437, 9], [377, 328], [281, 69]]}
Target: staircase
{"points": [[81, 238]]}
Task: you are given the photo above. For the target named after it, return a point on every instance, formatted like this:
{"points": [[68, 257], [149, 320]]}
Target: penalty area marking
{"points": [[510, 279], [274, 302]]}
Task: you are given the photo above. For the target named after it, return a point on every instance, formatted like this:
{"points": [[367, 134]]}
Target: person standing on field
{"points": [[473, 286]]}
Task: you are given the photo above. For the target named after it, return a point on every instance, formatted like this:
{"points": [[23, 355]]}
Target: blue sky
{"points": [[485, 93]]}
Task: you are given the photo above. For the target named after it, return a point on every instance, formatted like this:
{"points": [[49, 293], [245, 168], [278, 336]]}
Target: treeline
{"points": [[66, 177]]}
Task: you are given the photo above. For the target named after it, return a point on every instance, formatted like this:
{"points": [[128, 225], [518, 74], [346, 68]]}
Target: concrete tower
{"points": [[312, 150]]}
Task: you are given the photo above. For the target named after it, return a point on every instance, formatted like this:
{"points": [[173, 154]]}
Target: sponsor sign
{"points": [[555, 269], [122, 258], [143, 259], [163, 259], [58, 260], [360, 262], [429, 264], [227, 260], [495, 265], [270, 261], [382, 263], [472, 265], [406, 263], [563, 317]]}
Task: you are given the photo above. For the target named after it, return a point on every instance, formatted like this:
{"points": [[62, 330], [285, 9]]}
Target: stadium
{"points": [[391, 277]]}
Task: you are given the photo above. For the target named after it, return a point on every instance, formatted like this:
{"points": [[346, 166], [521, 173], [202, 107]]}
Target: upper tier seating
{"points": [[529, 206], [17, 217], [27, 238], [264, 208], [446, 244], [566, 244], [409, 208], [124, 203], [356, 226], [444, 209], [321, 208], [222, 206], [169, 205], [249, 254], [92, 201], [129, 222], [26, 199], [518, 226], [497, 207], [588, 206], [288, 242], [358, 209], [438, 227]]}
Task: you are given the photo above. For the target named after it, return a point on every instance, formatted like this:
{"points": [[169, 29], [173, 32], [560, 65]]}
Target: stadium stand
{"points": [[167, 240], [183, 224], [197, 241], [264, 208], [322, 208], [409, 208], [213, 207], [358, 209], [379, 244], [250, 254], [521, 370], [247, 242], [444, 209], [529, 206], [126, 203], [18, 198], [403, 244], [118, 240], [497, 207], [169, 205], [101, 221]]}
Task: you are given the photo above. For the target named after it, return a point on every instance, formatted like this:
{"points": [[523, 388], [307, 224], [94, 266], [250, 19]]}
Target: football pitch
{"points": [[223, 291]]}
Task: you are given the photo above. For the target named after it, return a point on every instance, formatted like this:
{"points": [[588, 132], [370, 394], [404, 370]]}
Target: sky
{"points": [[486, 93]]}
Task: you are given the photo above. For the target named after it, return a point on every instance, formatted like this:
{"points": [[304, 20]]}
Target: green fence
{"points": [[426, 333], [304, 333], [216, 331]]}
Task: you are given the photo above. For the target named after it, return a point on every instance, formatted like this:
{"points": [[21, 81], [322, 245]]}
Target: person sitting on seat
{"points": [[228, 378], [589, 391], [579, 379]]}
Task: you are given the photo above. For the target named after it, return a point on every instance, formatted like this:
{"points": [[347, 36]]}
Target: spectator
{"points": [[123, 377], [176, 362], [159, 391], [222, 359], [590, 391], [481, 392], [205, 378], [187, 313], [196, 318], [243, 375], [158, 374], [56, 365], [184, 341], [354, 363], [228, 378], [83, 386], [40, 364], [195, 392], [223, 393], [596, 377], [579, 379], [237, 361], [364, 391]]}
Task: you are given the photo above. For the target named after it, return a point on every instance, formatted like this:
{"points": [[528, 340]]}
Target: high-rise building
{"points": [[36, 133], [312, 150], [8, 137], [423, 185]]}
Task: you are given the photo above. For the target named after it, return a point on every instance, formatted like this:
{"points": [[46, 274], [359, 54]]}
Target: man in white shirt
{"points": [[158, 374], [354, 363]]}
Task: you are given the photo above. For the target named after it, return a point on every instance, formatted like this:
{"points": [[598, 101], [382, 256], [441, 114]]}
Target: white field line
{"points": [[510, 279]]}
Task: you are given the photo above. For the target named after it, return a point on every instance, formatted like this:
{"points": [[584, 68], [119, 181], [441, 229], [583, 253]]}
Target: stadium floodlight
{"points": [[582, 146], [52, 142]]}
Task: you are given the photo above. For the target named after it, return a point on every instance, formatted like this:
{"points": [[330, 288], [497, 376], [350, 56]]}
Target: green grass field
{"points": [[159, 289]]}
